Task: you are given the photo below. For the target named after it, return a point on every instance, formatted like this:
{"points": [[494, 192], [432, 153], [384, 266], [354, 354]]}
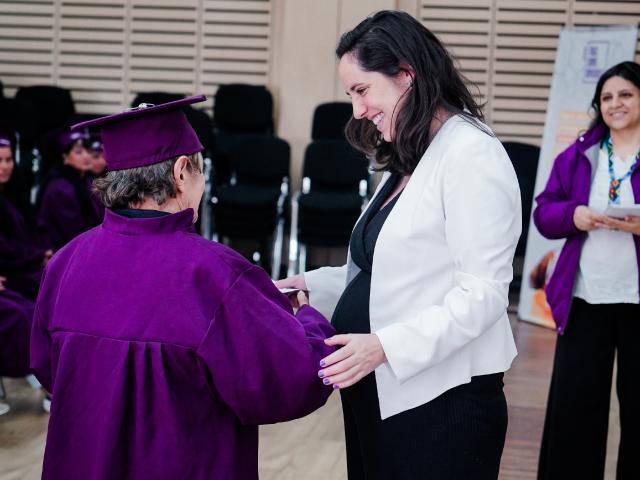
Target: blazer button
{"points": [[581, 139]]}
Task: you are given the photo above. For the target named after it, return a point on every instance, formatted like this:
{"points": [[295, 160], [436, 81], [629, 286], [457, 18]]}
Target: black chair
{"points": [[524, 158], [330, 119], [238, 110], [43, 112], [54, 105], [252, 205], [334, 191]]}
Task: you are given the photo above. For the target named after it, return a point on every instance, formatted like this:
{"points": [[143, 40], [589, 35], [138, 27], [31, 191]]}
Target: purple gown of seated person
{"points": [[16, 313], [164, 352], [66, 209], [21, 257]]}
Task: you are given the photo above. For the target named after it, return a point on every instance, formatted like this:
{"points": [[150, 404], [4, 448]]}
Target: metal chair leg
{"points": [[3, 392], [293, 239], [302, 262], [276, 254]]}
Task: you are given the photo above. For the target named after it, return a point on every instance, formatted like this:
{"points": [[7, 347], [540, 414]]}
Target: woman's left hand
{"points": [[629, 224], [360, 355]]}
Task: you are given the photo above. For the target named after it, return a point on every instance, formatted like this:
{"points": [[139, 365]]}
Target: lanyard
{"points": [[614, 183]]}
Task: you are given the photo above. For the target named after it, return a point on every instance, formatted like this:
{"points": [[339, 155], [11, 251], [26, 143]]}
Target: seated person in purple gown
{"points": [[164, 351], [65, 206], [21, 263], [21, 257], [16, 313]]}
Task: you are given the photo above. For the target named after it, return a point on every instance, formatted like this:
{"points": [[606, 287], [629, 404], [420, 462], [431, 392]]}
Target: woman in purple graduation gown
{"points": [[22, 258], [65, 205], [165, 351], [20, 269]]}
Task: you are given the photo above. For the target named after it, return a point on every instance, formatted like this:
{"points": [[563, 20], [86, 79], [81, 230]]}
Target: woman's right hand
{"points": [[586, 219], [295, 281]]}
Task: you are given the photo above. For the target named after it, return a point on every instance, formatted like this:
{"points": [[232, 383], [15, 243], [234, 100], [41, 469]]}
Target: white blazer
{"points": [[441, 270]]}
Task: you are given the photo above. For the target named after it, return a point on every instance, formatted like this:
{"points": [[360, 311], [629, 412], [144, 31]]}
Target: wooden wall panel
{"points": [[107, 51], [508, 48]]}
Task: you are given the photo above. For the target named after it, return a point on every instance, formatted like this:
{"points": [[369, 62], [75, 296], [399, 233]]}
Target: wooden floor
{"points": [[313, 448]]}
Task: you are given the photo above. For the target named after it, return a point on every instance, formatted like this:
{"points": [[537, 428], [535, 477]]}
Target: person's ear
{"points": [[179, 171], [406, 74]]}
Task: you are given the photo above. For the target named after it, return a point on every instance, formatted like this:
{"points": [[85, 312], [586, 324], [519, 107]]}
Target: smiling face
{"points": [[375, 97], [620, 104], [6, 164]]}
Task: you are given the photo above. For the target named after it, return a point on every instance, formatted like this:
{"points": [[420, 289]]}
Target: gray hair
{"points": [[127, 188]]}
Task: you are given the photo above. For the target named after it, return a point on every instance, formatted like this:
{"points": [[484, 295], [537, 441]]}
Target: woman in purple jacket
{"points": [[593, 293]]}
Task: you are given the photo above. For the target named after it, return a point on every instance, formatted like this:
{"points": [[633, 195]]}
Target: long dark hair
{"points": [[384, 43], [630, 71]]}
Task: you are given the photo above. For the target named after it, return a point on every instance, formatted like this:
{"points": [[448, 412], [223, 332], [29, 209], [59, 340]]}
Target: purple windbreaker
{"points": [[568, 187]]}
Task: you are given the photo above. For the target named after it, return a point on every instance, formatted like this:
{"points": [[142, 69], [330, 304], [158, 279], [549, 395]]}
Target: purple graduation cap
{"points": [[69, 137], [147, 134], [5, 141]]}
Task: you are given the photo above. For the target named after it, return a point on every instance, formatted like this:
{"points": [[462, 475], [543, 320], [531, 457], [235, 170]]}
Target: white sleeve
{"points": [[325, 287], [482, 212]]}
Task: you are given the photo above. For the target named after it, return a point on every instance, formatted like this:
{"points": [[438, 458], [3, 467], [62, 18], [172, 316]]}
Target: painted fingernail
{"points": [[336, 386], [321, 374], [326, 381], [322, 364]]}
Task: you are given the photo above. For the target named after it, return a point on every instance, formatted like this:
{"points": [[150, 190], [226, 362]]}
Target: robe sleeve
{"points": [[553, 215], [41, 350], [263, 361]]}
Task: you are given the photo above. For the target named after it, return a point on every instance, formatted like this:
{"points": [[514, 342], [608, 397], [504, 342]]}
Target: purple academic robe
{"points": [[61, 217], [16, 313], [164, 352], [21, 257]]}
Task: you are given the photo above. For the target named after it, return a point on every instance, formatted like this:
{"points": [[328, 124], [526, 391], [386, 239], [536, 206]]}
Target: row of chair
{"points": [[255, 203], [250, 183]]}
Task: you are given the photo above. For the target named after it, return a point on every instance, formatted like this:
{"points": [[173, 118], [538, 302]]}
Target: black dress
{"points": [[458, 435]]}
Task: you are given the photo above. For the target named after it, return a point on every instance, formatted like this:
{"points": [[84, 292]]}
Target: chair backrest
{"points": [[524, 158], [155, 98], [334, 165], [260, 160], [241, 108], [54, 105], [329, 120], [19, 117]]}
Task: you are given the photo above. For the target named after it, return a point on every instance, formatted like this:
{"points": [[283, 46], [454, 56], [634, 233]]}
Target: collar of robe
{"points": [[180, 221]]}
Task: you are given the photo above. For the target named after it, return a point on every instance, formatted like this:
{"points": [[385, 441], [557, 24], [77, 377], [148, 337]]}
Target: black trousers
{"points": [[574, 441], [456, 436]]}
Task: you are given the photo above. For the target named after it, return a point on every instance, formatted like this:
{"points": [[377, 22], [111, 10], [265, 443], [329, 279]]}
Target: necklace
{"points": [[614, 183]]}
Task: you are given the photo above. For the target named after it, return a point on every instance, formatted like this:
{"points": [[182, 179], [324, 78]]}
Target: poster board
{"points": [[584, 53]]}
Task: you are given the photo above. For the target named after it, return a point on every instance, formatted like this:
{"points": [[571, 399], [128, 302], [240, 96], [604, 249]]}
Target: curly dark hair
{"points": [[386, 42]]}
